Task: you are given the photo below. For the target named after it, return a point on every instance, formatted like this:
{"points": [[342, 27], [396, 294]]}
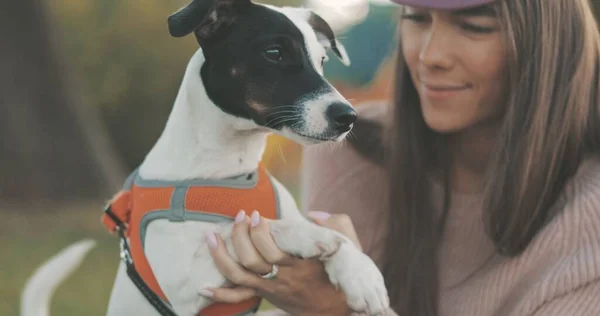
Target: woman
{"points": [[491, 162]]}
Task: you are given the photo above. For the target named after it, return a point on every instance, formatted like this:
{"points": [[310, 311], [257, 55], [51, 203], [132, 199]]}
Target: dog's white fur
{"points": [[201, 141]]}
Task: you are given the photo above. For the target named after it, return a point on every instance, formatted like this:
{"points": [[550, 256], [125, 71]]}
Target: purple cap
{"points": [[444, 4]]}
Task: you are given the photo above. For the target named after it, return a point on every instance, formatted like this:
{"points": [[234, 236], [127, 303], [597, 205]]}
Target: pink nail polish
{"points": [[206, 293], [212, 240], [240, 216], [255, 219], [319, 215]]}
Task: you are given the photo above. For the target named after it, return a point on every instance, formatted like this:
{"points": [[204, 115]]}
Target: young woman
{"points": [[481, 194]]}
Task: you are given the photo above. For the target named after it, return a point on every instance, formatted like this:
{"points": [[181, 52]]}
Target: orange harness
{"points": [[142, 201]]}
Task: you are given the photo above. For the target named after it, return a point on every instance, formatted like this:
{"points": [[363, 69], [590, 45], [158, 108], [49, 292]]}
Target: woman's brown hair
{"points": [[551, 121]]}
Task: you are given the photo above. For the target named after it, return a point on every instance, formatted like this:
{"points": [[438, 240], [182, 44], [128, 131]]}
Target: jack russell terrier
{"points": [[259, 70]]}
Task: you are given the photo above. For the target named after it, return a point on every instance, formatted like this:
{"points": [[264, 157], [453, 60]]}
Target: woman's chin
{"points": [[444, 125]]}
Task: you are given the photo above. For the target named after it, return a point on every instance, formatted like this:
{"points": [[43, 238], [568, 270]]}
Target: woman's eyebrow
{"points": [[484, 10]]}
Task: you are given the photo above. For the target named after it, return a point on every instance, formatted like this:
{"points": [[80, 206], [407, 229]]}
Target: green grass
{"points": [[27, 239]]}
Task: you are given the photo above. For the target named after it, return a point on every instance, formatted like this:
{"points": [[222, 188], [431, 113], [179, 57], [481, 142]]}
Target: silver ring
{"points": [[272, 274]]}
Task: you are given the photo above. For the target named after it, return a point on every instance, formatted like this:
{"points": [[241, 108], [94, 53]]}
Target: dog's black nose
{"points": [[342, 116]]}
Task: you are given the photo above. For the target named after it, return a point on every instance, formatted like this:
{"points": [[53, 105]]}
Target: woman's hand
{"points": [[301, 287]]}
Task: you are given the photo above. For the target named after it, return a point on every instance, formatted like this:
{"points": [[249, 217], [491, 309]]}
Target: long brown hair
{"points": [[552, 121]]}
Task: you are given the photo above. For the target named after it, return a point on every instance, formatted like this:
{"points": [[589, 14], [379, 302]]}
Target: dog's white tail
{"points": [[35, 300]]}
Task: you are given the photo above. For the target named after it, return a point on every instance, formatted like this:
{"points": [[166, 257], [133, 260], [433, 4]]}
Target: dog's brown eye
{"points": [[274, 54]]}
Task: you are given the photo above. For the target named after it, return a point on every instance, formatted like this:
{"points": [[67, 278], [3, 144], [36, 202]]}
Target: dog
{"points": [[258, 70]]}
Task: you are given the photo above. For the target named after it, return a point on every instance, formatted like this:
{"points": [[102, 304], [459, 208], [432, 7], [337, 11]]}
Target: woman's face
{"points": [[457, 61]]}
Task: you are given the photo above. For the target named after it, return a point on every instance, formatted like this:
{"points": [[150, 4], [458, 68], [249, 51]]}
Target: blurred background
{"points": [[85, 90]]}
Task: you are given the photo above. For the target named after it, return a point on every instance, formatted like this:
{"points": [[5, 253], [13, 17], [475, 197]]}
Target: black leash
{"points": [[125, 254]]}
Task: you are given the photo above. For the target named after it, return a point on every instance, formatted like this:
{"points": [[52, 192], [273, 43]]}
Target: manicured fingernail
{"points": [[212, 240], [240, 216], [255, 219], [319, 215], [207, 293]]}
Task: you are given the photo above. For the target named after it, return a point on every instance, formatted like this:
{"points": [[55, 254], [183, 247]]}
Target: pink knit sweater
{"points": [[558, 274]]}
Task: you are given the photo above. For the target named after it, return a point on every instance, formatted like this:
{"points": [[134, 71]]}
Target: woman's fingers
{"points": [[229, 295], [341, 223], [260, 234], [249, 257], [230, 269]]}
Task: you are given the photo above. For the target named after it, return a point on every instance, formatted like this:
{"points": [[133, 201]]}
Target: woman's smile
{"points": [[439, 90]]}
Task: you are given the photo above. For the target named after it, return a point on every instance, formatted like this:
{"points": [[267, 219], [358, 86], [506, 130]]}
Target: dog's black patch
{"points": [[257, 64], [273, 68]]}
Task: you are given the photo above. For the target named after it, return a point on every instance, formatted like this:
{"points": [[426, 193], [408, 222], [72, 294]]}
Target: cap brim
{"points": [[444, 4]]}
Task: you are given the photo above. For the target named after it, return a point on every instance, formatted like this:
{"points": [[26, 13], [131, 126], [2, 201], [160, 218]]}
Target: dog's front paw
{"points": [[347, 267], [360, 279]]}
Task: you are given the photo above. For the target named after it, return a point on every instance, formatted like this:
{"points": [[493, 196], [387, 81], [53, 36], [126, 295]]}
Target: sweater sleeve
{"points": [[584, 301], [337, 179], [569, 247]]}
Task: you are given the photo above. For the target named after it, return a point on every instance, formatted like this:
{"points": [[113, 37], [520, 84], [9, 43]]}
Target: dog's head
{"points": [[265, 64]]}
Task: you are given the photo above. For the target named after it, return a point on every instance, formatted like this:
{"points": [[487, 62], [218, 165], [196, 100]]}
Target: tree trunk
{"points": [[52, 147]]}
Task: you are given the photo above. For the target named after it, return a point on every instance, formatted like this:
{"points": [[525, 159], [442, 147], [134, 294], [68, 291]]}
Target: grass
{"points": [[27, 239]]}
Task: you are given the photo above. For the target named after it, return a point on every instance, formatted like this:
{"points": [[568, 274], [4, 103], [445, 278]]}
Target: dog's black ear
{"points": [[324, 32], [205, 17]]}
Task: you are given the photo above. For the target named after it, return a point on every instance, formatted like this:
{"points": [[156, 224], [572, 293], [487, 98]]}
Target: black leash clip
{"points": [[125, 254]]}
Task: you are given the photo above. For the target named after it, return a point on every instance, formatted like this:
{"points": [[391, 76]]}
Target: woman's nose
{"points": [[436, 49]]}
